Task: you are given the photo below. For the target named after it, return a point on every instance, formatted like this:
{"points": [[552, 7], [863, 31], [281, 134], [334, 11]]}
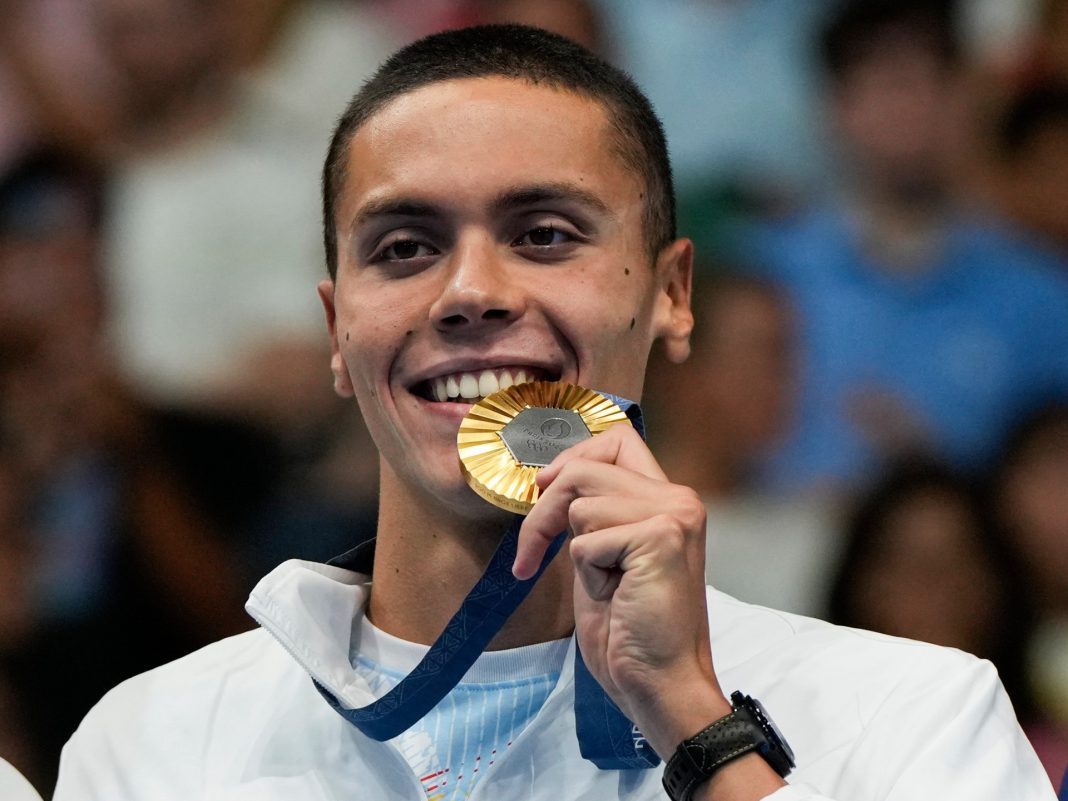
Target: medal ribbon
{"points": [[606, 737]]}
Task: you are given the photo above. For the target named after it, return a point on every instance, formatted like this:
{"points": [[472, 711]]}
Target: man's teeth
{"points": [[487, 384], [474, 386], [468, 386]]}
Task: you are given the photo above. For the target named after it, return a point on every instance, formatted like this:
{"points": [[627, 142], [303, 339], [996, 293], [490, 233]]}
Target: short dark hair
{"points": [[855, 27], [528, 54]]}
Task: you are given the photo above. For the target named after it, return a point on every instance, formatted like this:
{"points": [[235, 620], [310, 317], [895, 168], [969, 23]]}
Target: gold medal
{"points": [[510, 435]]}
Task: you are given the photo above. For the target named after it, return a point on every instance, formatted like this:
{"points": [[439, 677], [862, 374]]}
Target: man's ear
{"points": [[342, 380], [673, 318]]}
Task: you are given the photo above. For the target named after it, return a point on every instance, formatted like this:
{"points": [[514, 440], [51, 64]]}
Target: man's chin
{"points": [[449, 500], [472, 507]]}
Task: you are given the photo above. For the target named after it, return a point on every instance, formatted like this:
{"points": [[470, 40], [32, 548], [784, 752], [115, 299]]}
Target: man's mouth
{"points": [[473, 386]]}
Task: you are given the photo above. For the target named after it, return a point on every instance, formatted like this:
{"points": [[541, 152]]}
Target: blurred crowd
{"points": [[876, 410]]}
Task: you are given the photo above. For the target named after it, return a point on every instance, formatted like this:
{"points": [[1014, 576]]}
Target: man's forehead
{"points": [[527, 119], [493, 131], [550, 98]]}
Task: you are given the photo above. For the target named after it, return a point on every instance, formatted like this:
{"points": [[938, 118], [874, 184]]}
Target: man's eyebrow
{"points": [[509, 200], [392, 207], [522, 196]]}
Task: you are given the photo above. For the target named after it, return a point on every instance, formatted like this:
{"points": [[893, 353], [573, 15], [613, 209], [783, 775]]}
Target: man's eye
{"points": [[543, 236], [405, 249]]}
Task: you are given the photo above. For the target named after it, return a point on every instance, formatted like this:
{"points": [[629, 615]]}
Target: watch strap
{"points": [[699, 757]]}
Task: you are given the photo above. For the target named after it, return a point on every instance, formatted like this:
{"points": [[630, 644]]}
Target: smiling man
{"points": [[498, 209]]}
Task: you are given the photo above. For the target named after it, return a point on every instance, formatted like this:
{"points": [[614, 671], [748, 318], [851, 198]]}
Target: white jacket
{"points": [[870, 718], [13, 785]]}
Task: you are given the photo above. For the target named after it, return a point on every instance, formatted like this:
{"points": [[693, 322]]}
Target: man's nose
{"points": [[479, 290]]}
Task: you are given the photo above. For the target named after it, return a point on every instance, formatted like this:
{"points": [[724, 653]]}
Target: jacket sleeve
{"points": [[953, 740], [109, 758], [85, 771]]}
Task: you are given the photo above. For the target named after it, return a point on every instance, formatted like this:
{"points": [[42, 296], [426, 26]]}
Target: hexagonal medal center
{"points": [[537, 435]]}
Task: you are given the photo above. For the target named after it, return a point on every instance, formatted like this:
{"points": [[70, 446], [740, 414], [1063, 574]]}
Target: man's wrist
{"points": [[717, 761], [679, 713], [748, 778]]}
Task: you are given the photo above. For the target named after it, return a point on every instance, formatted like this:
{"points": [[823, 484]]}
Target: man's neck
{"points": [[427, 559]]}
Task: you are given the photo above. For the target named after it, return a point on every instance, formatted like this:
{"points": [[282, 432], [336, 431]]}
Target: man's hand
{"points": [[640, 613], [638, 548]]}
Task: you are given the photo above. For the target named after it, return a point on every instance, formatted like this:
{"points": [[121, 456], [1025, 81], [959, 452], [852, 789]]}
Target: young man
{"points": [[499, 209]]}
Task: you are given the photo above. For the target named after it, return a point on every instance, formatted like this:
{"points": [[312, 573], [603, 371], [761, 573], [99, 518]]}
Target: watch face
{"points": [[776, 750]]}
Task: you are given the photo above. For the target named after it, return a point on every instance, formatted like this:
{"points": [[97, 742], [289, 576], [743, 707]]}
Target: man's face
{"points": [[488, 232]]}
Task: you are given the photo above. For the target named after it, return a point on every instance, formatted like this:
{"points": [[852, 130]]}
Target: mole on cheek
{"points": [[631, 323], [346, 336], [408, 333], [626, 271]]}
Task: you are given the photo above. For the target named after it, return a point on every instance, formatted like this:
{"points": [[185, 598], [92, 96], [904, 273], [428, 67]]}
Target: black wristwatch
{"points": [[747, 728]]}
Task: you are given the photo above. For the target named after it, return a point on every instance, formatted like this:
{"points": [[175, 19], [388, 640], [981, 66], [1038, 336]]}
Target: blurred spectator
{"points": [[712, 417], [214, 242], [923, 324], [215, 248], [921, 560], [104, 78], [1033, 161], [56, 394], [147, 523], [733, 82], [131, 561], [578, 20], [1030, 491]]}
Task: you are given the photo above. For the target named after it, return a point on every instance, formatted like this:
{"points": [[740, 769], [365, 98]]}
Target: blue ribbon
{"points": [[606, 737]]}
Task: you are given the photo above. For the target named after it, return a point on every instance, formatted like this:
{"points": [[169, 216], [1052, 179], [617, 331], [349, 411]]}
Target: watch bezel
{"points": [[773, 747]]}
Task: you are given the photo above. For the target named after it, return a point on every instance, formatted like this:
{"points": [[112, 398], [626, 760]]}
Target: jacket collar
{"points": [[313, 610]]}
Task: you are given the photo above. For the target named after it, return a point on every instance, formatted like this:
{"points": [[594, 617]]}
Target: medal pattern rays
{"points": [[488, 464]]}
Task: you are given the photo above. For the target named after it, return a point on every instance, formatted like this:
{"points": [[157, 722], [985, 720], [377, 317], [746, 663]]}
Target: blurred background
{"points": [[876, 410]]}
